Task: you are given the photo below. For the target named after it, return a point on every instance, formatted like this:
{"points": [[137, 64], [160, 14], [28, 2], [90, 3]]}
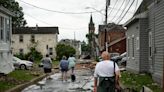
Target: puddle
{"points": [[83, 83]]}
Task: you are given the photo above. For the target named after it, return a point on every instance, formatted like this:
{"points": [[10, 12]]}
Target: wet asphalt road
{"points": [[83, 83]]}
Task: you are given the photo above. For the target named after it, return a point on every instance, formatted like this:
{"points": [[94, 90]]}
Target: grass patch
{"points": [[14, 78], [22, 75], [136, 81], [5, 85]]}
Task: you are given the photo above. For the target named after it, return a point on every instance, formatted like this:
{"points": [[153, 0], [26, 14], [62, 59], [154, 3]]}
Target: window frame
{"points": [[137, 43], [150, 44], [133, 46], [21, 38], [33, 38]]}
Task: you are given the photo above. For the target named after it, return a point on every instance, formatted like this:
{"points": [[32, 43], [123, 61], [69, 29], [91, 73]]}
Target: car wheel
{"points": [[23, 67]]}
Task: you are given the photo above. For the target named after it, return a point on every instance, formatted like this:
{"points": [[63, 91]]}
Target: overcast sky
{"points": [[74, 25]]}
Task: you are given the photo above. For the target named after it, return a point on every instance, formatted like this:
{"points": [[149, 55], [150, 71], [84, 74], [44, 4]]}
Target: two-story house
{"points": [[145, 40], [6, 65], [45, 40]]}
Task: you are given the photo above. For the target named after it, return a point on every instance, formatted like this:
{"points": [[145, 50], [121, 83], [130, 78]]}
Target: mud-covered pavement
{"points": [[83, 83]]}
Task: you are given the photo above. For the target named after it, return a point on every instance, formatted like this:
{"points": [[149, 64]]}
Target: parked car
{"points": [[115, 57], [123, 61], [22, 64], [118, 58]]}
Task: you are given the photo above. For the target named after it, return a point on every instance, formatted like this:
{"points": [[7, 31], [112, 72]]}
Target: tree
{"points": [[85, 47], [18, 19], [64, 50]]}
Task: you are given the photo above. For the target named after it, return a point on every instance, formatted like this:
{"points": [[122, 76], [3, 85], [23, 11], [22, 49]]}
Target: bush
{"points": [[35, 54], [64, 50]]}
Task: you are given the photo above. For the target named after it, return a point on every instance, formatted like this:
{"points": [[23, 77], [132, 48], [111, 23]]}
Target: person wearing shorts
{"points": [[64, 68]]}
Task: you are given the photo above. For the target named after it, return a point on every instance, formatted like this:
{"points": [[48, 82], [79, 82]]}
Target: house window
{"points": [[137, 43], [1, 28], [128, 46], [50, 51], [32, 38], [7, 23], [132, 45], [20, 38], [21, 51], [150, 44]]}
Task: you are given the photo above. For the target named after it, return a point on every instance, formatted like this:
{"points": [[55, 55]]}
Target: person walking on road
{"points": [[64, 68], [105, 75], [47, 65], [72, 63]]}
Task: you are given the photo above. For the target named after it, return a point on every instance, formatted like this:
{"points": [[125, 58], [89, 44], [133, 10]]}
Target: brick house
{"points": [[115, 38]]}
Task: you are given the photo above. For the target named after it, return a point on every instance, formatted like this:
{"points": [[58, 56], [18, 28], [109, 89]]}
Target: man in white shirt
{"points": [[105, 74]]}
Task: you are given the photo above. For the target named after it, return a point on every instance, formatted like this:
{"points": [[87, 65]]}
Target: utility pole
{"points": [[163, 72], [106, 23]]}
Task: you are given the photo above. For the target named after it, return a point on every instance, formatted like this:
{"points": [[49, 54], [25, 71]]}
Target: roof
{"points": [[6, 11], [91, 20], [111, 27], [135, 18], [143, 6], [36, 30]]}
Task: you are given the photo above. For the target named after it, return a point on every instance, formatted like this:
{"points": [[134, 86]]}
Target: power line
{"points": [[123, 10], [52, 25], [55, 10], [113, 7], [37, 19], [118, 10], [126, 12]]}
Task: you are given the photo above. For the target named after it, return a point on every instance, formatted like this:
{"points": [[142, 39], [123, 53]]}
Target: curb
{"points": [[20, 87]]}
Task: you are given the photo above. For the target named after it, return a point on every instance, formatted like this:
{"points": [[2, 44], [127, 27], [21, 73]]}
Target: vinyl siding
{"points": [[133, 62], [144, 45], [158, 30]]}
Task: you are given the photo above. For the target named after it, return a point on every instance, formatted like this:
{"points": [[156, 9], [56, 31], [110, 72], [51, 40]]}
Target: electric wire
{"points": [[122, 11], [55, 10], [113, 7], [118, 10], [53, 25], [126, 12]]}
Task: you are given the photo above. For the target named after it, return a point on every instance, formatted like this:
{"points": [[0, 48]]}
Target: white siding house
{"points": [[45, 39], [6, 65]]}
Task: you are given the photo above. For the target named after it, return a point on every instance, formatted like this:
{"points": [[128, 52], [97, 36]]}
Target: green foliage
{"points": [[5, 85], [18, 19], [136, 81], [22, 75], [37, 56], [21, 56], [64, 50], [85, 47]]}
